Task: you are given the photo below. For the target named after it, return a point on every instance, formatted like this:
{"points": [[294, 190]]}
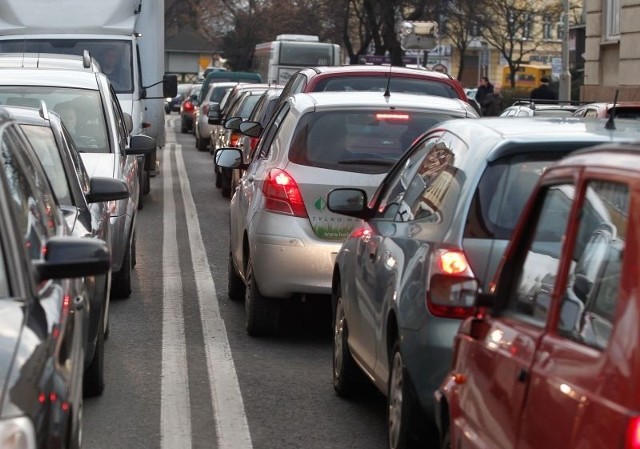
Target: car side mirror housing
{"points": [[351, 202], [169, 86], [229, 157], [106, 189], [233, 123], [251, 129], [141, 144], [128, 121]]}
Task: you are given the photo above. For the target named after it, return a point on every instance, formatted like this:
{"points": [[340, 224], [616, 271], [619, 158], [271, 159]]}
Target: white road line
{"points": [[232, 429], [175, 412]]}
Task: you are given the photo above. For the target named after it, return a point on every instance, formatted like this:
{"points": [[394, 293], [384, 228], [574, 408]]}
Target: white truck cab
{"points": [[126, 37]]}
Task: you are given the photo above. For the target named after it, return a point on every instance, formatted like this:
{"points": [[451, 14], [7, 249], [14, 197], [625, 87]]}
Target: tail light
{"points": [[187, 106], [282, 194], [253, 143], [452, 286], [633, 433], [205, 109], [234, 138]]}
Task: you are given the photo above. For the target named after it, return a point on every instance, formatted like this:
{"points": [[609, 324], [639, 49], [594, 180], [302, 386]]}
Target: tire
{"points": [[262, 313], [93, 383], [225, 183], [235, 284], [347, 376], [218, 179], [184, 129], [202, 144], [121, 281], [401, 402]]}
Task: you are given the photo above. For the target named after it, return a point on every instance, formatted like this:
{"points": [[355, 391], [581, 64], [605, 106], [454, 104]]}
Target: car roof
{"points": [[61, 70], [497, 135], [377, 70], [338, 100]]}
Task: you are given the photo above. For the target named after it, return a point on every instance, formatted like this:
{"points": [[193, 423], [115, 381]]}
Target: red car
{"points": [[551, 359], [188, 109], [373, 77]]}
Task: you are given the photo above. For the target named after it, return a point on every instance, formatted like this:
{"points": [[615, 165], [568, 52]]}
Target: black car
{"points": [[43, 310], [83, 201]]}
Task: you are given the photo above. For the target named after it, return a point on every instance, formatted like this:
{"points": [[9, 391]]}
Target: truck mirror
{"points": [[169, 86]]}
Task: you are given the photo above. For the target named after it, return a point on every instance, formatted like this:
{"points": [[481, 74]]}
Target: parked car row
{"points": [[69, 195], [402, 207]]}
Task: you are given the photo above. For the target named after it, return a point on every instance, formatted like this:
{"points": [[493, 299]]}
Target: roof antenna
{"points": [[387, 93], [612, 115]]}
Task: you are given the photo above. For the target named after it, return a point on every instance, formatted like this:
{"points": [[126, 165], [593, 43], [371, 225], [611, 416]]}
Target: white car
{"points": [[283, 238], [101, 133]]}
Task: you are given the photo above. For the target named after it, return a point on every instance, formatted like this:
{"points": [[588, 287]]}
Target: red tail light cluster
{"points": [[633, 433], [187, 106], [451, 285], [282, 194]]}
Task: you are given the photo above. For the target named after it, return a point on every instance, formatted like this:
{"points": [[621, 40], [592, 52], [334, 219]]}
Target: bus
{"points": [[528, 75], [277, 60]]}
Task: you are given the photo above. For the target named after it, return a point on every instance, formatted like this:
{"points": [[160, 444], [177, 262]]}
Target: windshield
{"points": [[80, 110], [114, 56]]}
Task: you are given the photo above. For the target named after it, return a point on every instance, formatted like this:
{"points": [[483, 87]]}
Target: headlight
{"points": [[17, 433], [168, 99]]}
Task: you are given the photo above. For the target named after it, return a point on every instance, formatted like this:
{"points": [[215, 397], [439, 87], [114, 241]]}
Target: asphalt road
{"points": [[181, 372]]}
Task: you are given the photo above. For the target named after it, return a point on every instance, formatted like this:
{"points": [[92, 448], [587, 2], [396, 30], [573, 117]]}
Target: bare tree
{"points": [[511, 27], [459, 26]]}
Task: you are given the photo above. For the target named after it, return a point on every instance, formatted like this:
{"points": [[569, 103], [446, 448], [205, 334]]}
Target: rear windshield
{"points": [[361, 141], [379, 84]]}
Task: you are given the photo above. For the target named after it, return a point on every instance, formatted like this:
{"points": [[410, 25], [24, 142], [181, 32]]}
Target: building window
{"points": [[526, 26], [612, 24], [547, 27]]}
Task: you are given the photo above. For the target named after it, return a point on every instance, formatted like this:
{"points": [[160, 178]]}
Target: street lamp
{"points": [[564, 93]]}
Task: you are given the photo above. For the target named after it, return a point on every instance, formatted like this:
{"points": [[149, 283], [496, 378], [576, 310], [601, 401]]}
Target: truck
{"points": [[126, 37]]}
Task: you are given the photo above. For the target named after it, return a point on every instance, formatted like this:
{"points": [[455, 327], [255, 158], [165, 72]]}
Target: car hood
{"points": [[100, 164], [15, 351]]}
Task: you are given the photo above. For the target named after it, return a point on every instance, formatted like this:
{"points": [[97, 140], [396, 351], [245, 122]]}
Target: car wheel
{"points": [[346, 374], [218, 179], [262, 313], [93, 383], [235, 284], [121, 281], [400, 401], [184, 129], [225, 183], [202, 144]]}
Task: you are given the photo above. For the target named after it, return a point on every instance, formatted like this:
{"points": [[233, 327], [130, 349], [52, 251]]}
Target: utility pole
{"points": [[564, 93]]}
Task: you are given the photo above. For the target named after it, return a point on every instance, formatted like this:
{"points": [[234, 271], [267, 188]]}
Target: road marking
{"points": [[175, 412], [232, 429]]}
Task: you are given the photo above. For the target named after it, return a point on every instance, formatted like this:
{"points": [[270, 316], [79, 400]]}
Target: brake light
{"points": [[633, 433], [282, 194], [234, 139], [187, 106], [392, 116], [452, 285], [253, 143], [205, 109]]}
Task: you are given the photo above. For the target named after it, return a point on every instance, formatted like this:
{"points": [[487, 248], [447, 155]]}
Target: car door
{"points": [[377, 257], [578, 379], [495, 363]]}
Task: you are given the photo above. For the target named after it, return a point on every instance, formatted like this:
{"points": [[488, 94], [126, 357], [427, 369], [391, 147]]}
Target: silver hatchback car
{"points": [[432, 234], [283, 238]]}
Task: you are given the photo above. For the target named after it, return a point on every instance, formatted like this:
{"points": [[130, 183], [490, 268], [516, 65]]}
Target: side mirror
{"points": [[106, 189], [229, 158], [251, 129], [213, 115], [128, 121], [347, 201], [73, 257], [169, 86], [233, 123], [141, 144]]}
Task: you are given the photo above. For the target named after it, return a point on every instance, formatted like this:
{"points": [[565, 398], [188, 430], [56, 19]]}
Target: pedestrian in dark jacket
{"points": [[485, 87], [493, 103], [543, 91]]}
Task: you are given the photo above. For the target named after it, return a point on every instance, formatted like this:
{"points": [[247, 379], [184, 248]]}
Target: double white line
{"points": [[232, 430]]}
